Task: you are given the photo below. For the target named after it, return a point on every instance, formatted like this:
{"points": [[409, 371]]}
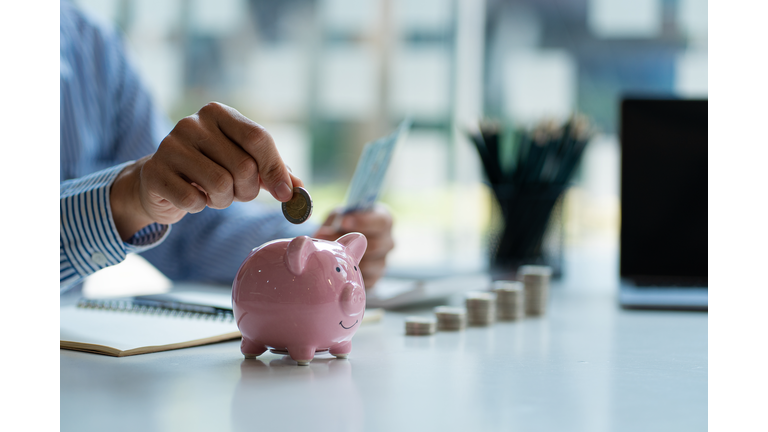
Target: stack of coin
{"points": [[536, 281], [451, 318], [420, 326], [510, 300], [481, 308]]}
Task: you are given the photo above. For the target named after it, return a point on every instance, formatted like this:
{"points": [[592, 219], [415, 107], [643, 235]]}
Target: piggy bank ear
{"points": [[355, 244], [297, 254]]}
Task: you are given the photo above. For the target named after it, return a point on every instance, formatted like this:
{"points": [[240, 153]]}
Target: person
{"points": [[126, 180]]}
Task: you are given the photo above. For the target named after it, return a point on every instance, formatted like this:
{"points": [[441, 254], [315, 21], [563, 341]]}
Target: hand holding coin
{"points": [[210, 159]]}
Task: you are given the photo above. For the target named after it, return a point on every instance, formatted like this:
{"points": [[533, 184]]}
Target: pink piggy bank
{"points": [[300, 296]]}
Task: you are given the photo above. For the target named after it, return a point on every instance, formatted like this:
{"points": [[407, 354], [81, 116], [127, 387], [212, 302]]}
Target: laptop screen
{"points": [[664, 192]]}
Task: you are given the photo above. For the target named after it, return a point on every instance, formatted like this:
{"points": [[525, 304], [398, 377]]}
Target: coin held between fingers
{"points": [[299, 208]]}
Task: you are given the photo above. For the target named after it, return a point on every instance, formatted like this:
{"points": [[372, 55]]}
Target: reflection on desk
{"points": [[336, 403], [586, 366]]}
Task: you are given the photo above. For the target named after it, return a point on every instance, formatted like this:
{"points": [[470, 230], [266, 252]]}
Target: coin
{"points": [[536, 281], [481, 308], [510, 300], [420, 326], [451, 318], [299, 208]]}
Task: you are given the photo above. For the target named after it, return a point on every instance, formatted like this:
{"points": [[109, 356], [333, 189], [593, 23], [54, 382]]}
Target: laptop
{"points": [[664, 202]]}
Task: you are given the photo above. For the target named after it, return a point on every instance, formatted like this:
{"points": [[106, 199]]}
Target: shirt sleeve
{"points": [[88, 238], [108, 104], [210, 246]]}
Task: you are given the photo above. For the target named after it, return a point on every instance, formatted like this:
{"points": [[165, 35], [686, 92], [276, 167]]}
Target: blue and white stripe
{"points": [[88, 238], [107, 119]]}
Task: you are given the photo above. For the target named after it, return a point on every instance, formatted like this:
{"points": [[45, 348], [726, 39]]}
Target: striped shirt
{"points": [[107, 121]]}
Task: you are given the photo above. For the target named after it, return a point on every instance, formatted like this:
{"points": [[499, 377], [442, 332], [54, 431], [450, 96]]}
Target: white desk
{"points": [[586, 366]]}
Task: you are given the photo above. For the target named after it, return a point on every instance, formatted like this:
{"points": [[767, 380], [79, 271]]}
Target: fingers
{"points": [[371, 223], [255, 141], [162, 183], [372, 271], [213, 180], [188, 163], [213, 157], [327, 232], [374, 262], [376, 225], [379, 246], [243, 168], [240, 165]]}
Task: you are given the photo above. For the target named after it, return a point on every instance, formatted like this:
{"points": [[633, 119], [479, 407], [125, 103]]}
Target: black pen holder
{"points": [[527, 228]]}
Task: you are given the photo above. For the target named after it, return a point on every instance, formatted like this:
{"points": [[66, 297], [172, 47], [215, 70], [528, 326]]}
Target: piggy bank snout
{"points": [[352, 299]]}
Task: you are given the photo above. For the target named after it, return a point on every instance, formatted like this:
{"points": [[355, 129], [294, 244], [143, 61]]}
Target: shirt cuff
{"points": [[147, 238], [89, 240]]}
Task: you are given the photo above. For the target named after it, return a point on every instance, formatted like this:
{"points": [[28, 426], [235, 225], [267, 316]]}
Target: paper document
{"points": [[390, 293], [371, 169]]}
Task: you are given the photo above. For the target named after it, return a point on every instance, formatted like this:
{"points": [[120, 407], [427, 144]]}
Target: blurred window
{"points": [[327, 76]]}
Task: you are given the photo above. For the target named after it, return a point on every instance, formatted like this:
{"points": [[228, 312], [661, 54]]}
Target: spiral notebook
{"points": [[147, 324], [126, 327]]}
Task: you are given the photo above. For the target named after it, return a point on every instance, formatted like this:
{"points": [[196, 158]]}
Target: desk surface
{"points": [[586, 366]]}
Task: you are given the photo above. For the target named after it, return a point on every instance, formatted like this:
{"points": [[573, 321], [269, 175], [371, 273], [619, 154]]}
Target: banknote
{"points": [[368, 179]]}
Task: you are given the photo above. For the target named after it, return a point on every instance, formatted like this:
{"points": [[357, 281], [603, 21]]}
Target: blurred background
{"points": [[327, 76]]}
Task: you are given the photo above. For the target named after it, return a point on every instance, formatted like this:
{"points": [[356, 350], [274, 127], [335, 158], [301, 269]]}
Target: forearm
{"points": [[210, 246]]}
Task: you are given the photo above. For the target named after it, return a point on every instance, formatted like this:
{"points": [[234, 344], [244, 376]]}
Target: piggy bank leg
{"points": [[342, 350], [251, 349], [302, 354]]}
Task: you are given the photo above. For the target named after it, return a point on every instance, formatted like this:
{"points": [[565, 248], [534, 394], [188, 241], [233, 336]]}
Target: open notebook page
{"points": [[123, 333]]}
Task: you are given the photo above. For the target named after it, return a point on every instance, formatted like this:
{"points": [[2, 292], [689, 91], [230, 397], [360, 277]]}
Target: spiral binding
{"points": [[180, 310]]}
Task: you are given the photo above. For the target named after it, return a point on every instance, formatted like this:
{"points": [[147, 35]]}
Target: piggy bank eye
{"points": [[338, 270], [355, 268]]}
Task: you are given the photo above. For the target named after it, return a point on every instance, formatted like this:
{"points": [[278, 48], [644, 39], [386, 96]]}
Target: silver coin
{"points": [[420, 326], [531, 270], [299, 208]]}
